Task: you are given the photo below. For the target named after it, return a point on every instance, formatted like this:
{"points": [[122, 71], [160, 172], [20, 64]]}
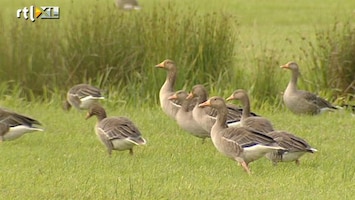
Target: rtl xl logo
{"points": [[42, 12]]}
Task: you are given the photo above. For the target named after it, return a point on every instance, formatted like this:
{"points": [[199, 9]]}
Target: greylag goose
{"points": [[170, 108], [300, 101], [238, 143], [14, 125], [206, 116], [260, 124], [296, 147], [127, 4], [116, 133], [81, 96], [184, 116]]}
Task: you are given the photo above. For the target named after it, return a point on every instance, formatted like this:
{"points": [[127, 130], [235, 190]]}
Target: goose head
{"points": [[180, 96], [167, 65], [97, 110], [291, 66], [214, 102], [198, 91], [237, 94]]}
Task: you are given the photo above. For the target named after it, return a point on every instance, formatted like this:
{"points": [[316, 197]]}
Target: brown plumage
{"points": [[300, 101], [116, 133], [170, 108], [296, 147], [260, 124], [184, 116], [14, 125], [206, 116], [81, 96], [238, 143], [13, 119]]}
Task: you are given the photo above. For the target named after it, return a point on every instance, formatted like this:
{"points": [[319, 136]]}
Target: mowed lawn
{"points": [[67, 161]]}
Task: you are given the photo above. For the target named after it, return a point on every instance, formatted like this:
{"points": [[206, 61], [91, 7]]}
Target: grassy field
{"points": [[66, 161]]}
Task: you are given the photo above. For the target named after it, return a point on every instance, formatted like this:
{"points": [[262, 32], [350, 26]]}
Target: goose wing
{"points": [[315, 100], [15, 119], [290, 141], [84, 90], [247, 137], [119, 128]]}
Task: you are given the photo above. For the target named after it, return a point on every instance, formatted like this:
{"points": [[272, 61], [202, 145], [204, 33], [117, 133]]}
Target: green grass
{"points": [[225, 43], [67, 161], [113, 48]]}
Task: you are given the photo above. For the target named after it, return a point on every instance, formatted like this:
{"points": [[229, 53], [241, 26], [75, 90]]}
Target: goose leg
{"points": [[241, 162], [245, 166], [297, 162], [131, 152], [107, 143]]}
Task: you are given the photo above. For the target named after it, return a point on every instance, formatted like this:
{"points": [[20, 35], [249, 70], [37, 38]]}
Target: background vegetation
{"points": [[223, 44], [227, 46]]}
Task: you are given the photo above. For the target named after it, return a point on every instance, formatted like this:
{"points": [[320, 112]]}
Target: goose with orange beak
{"points": [[238, 143], [300, 101]]}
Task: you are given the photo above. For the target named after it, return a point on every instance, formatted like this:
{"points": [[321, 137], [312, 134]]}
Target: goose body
{"points": [[296, 148], [254, 145], [184, 117], [116, 133], [238, 143], [170, 108], [206, 116], [14, 125], [257, 123], [300, 101], [16, 132], [82, 96]]}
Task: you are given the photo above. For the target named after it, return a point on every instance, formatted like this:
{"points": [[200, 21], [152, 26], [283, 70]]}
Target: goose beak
{"points": [[190, 96], [230, 98], [87, 115], [172, 97], [160, 65], [206, 103], [284, 66]]}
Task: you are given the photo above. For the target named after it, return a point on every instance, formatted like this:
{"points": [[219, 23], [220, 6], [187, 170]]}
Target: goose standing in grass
{"points": [[81, 96], [127, 4], [260, 124], [116, 133], [170, 108], [184, 116], [296, 147], [299, 101], [206, 116], [238, 143], [14, 125]]}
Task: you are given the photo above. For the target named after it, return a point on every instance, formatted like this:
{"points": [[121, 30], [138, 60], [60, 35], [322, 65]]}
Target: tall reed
{"points": [[118, 50], [332, 58]]}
